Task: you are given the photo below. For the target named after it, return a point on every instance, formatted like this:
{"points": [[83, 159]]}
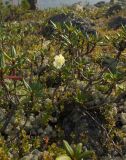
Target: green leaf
{"points": [[68, 148], [37, 88], [66, 39], [78, 149], [107, 38], [13, 52], [63, 157], [27, 86], [6, 56], [2, 60], [54, 25], [86, 155]]}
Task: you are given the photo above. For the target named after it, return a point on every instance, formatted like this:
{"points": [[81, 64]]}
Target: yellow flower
{"points": [[59, 61]]}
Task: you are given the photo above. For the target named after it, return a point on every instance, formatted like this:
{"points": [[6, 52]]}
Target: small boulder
{"points": [[117, 22], [34, 155], [123, 118], [36, 152], [28, 157], [114, 9], [78, 6], [85, 25], [100, 4], [124, 128]]}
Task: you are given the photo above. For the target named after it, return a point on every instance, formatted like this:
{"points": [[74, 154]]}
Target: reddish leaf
{"points": [[13, 77]]}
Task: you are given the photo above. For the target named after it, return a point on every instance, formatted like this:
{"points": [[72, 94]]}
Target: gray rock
{"points": [[124, 128], [85, 25], [9, 129], [123, 118], [117, 22], [51, 91], [124, 141], [124, 106], [115, 8], [78, 6], [28, 157], [34, 157], [40, 131], [73, 120], [2, 114], [31, 118], [111, 158], [36, 152], [28, 126], [100, 4], [48, 130]]}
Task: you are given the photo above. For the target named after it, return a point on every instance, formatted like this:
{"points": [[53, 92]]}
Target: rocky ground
{"points": [[72, 119]]}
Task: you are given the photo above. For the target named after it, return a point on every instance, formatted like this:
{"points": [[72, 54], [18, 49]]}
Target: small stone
{"points": [[54, 134], [13, 120], [51, 91], [28, 157], [124, 141], [48, 101], [48, 130], [122, 100], [80, 84], [114, 105], [36, 152], [54, 120], [125, 103], [114, 110], [40, 131], [124, 107], [9, 129], [2, 114], [100, 4], [61, 88], [10, 155], [33, 132], [31, 118], [123, 118], [22, 122], [35, 157], [28, 125], [121, 107], [124, 128], [45, 46], [78, 6], [18, 128]]}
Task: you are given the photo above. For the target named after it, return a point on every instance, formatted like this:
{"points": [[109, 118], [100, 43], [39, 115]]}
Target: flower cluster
{"points": [[59, 61]]}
